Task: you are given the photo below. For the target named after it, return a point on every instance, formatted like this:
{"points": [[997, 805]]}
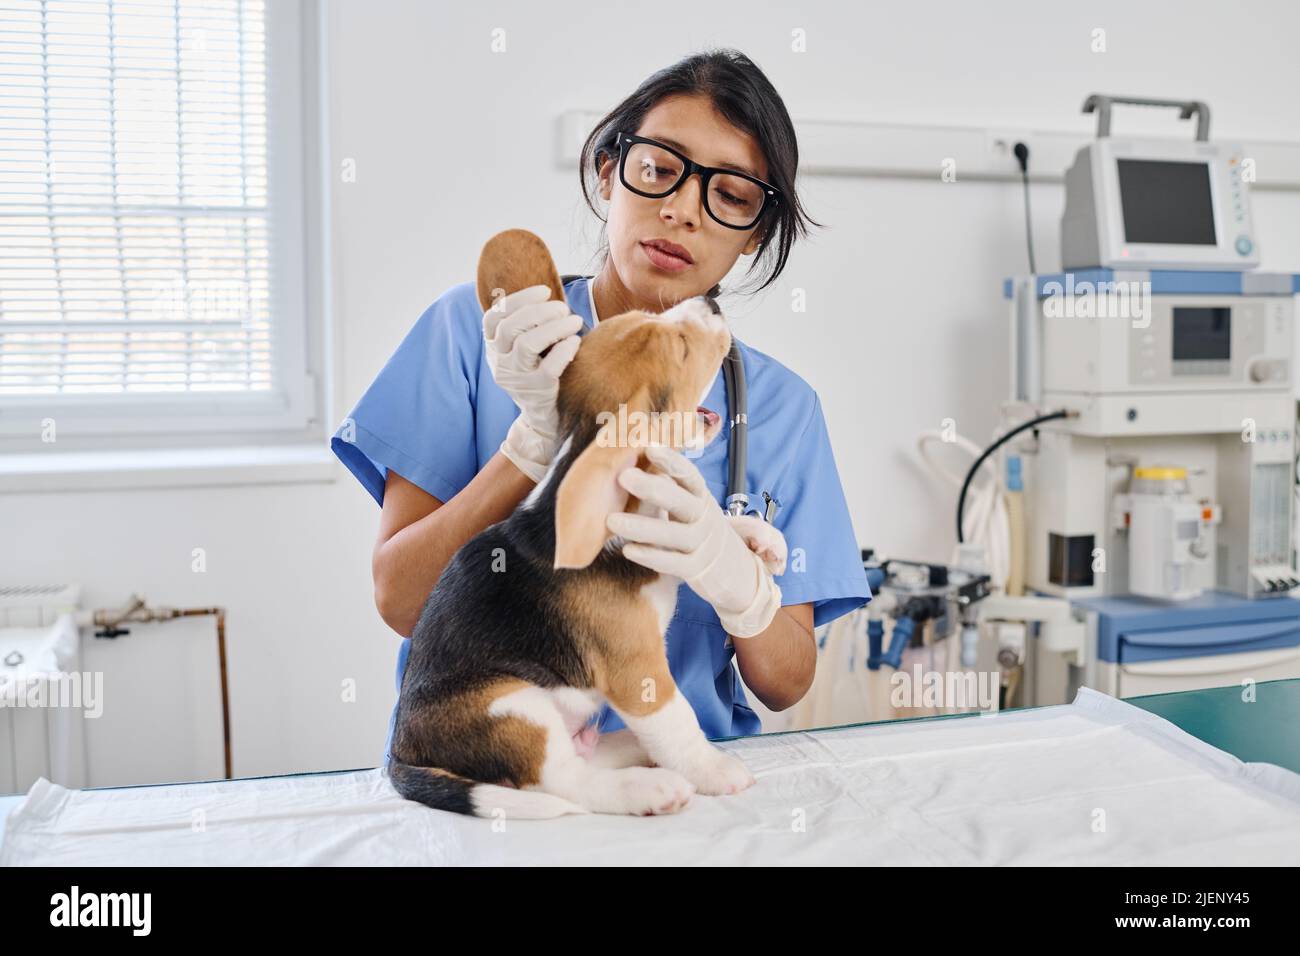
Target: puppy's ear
{"points": [[514, 260], [590, 492], [588, 495]]}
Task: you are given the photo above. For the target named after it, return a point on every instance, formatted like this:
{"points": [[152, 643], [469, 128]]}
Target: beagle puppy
{"points": [[539, 618]]}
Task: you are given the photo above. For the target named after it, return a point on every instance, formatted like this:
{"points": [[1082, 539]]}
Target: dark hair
{"points": [[746, 98]]}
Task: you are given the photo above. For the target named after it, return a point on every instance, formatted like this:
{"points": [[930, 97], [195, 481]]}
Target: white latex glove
{"points": [[517, 328], [702, 544]]}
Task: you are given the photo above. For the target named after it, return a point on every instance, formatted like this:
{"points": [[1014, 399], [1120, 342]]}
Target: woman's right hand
{"points": [[517, 329]]}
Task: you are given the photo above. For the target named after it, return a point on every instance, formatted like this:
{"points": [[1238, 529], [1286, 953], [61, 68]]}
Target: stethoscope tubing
{"points": [[733, 377]]}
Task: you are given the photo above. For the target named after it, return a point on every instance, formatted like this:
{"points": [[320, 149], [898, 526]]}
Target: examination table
{"points": [[1198, 777]]}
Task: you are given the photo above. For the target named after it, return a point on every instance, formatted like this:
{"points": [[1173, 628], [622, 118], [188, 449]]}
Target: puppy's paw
{"points": [[652, 790], [763, 539], [720, 774]]}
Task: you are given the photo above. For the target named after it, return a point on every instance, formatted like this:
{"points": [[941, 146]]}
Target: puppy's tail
{"points": [[444, 790]]}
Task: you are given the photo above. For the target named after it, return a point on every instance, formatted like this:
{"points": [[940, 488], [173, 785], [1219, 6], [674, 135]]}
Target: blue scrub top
{"points": [[435, 415]]}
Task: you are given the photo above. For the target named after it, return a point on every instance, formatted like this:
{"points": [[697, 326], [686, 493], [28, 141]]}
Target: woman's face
{"points": [[690, 125]]}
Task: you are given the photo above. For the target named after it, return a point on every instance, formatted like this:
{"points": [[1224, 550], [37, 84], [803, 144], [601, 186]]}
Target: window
{"points": [[151, 237]]}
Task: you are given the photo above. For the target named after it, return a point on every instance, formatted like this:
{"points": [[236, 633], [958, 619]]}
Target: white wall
{"points": [[905, 324]]}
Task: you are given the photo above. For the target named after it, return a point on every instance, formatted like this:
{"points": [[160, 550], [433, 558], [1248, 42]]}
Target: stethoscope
{"points": [[733, 379]]}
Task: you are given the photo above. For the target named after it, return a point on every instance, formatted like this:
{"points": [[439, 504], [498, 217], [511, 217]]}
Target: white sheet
{"points": [[1097, 781]]}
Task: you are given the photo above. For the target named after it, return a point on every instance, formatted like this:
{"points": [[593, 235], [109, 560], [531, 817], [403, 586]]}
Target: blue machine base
{"points": [[1170, 282], [1131, 629]]}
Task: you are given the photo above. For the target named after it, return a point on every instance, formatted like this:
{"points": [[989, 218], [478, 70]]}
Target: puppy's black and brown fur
{"points": [[543, 599]]}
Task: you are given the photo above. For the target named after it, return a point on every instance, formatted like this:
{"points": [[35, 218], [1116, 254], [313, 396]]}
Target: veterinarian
{"points": [[446, 448]]}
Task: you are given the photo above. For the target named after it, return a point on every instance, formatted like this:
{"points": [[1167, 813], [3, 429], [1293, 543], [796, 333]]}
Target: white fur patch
{"points": [[534, 704], [566, 775], [673, 739], [576, 705], [531, 500], [670, 731], [662, 595]]}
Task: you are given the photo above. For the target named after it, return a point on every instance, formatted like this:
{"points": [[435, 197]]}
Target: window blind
{"points": [[133, 199]]}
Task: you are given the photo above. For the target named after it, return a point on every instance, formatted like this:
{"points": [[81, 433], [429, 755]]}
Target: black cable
{"points": [[970, 475], [1022, 156]]}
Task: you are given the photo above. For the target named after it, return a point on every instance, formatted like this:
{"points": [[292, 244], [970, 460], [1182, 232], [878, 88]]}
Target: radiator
{"points": [[39, 634]]}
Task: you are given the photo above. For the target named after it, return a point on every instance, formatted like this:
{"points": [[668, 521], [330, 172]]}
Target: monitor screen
{"points": [[1166, 202], [1202, 334]]}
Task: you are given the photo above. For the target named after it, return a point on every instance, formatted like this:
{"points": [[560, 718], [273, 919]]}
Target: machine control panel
{"points": [[1198, 341]]}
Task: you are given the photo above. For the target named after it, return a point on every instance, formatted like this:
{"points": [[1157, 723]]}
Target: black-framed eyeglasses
{"points": [[732, 199]]}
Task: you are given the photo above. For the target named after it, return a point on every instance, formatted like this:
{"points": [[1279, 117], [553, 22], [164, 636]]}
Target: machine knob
{"points": [[1262, 371]]}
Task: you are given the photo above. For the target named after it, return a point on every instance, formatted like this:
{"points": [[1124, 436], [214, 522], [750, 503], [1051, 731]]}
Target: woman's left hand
{"points": [[701, 544]]}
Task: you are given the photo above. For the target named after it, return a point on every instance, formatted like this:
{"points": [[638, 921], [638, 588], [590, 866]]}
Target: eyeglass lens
{"points": [[733, 199]]}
